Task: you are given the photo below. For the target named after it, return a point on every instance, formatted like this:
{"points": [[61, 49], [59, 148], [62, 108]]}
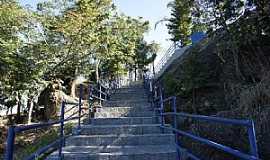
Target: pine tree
{"points": [[180, 23]]}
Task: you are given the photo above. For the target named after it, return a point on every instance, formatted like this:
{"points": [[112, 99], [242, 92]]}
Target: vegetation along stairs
{"points": [[125, 128]]}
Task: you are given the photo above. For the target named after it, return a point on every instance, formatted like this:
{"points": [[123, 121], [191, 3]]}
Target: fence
{"points": [[99, 93], [156, 92]]}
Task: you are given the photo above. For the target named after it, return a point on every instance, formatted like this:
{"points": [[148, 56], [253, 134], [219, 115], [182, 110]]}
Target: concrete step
{"points": [[124, 109], [131, 90], [127, 103], [122, 129], [151, 152], [124, 121], [120, 140], [126, 96], [135, 98], [124, 114], [115, 112]]}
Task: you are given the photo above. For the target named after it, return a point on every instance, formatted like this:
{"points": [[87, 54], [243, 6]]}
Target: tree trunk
{"points": [[235, 53], [236, 63], [31, 107], [18, 116], [194, 100], [154, 72], [73, 88], [135, 73], [97, 70]]}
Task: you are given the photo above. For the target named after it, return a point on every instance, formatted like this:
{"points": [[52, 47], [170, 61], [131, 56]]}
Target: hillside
{"points": [[207, 81]]}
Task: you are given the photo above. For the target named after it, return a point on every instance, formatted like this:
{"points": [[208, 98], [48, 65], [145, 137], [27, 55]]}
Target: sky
{"points": [[151, 10]]}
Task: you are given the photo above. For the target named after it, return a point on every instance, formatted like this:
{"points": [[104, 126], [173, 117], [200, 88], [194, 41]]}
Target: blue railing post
{"points": [[80, 110], [174, 111], [252, 139], [151, 95], [161, 109], [10, 143], [62, 123], [90, 98], [176, 126], [100, 94]]}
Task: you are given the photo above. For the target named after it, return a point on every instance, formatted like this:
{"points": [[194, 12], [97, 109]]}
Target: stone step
{"points": [[122, 129], [131, 90], [151, 152], [124, 98], [124, 109], [125, 128], [120, 140], [128, 95], [124, 121], [138, 107], [127, 103], [124, 114]]}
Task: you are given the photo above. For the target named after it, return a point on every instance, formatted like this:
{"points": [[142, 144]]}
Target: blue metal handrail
{"points": [[98, 92], [165, 57], [249, 124]]}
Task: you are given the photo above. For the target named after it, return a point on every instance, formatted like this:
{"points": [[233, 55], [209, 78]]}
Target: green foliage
{"points": [[172, 85], [180, 23], [63, 39], [194, 74], [91, 30], [242, 24], [11, 24], [145, 53]]}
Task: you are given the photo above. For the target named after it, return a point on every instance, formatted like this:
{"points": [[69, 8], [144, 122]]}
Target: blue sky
{"points": [[152, 10]]}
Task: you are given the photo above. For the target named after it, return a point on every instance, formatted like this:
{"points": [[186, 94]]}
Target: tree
{"points": [[145, 54], [241, 23], [95, 31], [180, 23], [63, 39], [15, 69]]}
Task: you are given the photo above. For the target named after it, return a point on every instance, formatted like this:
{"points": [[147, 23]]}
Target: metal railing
{"points": [[102, 91], [173, 53], [97, 92], [156, 92], [165, 57]]}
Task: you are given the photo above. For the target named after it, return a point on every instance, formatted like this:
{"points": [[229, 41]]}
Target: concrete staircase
{"points": [[124, 129]]}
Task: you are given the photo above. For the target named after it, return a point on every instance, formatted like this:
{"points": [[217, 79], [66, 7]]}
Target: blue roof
{"points": [[197, 37]]}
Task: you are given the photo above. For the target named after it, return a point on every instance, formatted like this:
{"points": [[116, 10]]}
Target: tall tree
{"points": [[180, 23], [62, 39]]}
